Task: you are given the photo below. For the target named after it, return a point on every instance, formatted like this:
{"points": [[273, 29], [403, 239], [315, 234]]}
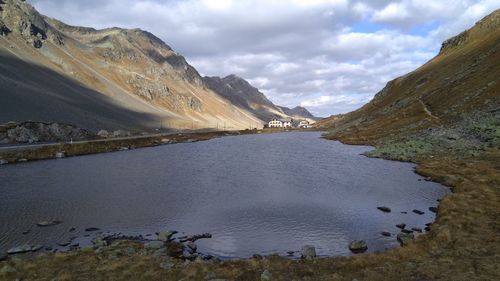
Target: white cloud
{"points": [[328, 55]]}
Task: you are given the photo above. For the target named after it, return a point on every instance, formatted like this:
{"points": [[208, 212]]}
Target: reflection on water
{"points": [[256, 194]]}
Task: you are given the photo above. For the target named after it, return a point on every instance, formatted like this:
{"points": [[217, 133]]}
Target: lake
{"points": [[256, 194]]}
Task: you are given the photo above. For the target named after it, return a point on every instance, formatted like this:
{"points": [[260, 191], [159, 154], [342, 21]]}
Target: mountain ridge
{"points": [[133, 70]]}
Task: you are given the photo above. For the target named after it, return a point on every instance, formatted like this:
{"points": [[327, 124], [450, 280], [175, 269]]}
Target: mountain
{"points": [[454, 96], [242, 94], [298, 112], [101, 79]]}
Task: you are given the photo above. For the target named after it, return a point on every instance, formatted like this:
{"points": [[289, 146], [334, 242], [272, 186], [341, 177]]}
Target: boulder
{"points": [[417, 229], [358, 246], [401, 225], [165, 235], [3, 162], [405, 238], [433, 209], [60, 155], [191, 247], [386, 233], [175, 249], [19, 250], [155, 245], [384, 209], [308, 252]]}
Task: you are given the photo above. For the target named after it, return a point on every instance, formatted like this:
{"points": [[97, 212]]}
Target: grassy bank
{"points": [[462, 244]]}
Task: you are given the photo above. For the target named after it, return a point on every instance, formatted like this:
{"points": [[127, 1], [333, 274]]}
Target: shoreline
{"points": [[447, 252], [34, 152]]}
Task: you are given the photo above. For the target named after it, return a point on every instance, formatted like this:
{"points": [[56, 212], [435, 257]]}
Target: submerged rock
{"points": [[308, 252], [384, 209], [386, 233], [401, 225], [36, 248], [19, 250], [405, 238], [48, 223], [433, 209], [418, 212], [91, 229], [358, 246], [191, 247]]}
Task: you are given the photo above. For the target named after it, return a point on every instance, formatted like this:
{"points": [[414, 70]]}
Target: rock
{"points": [[166, 141], [405, 238], [175, 249], [154, 245], [166, 235], [99, 242], [60, 155], [308, 252], [433, 209], [6, 269], [22, 160], [167, 265], [19, 250], [417, 229], [91, 229], [401, 225], [72, 229], [418, 212], [290, 253], [36, 248], [358, 246], [266, 275], [3, 162], [386, 233], [63, 244], [192, 246], [48, 223], [406, 231], [26, 231], [103, 134], [193, 238], [384, 209]]}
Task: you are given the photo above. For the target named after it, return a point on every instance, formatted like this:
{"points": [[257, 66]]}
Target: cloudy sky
{"points": [[330, 56]]}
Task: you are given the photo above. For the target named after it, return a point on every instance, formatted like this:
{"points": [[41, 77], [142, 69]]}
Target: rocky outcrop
{"points": [[31, 132]]}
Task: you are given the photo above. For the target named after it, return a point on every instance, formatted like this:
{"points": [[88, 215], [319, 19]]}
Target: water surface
{"points": [[259, 194]]}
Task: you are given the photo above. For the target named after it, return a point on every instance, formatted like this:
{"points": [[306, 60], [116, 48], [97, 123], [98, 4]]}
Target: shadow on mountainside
{"points": [[33, 92]]}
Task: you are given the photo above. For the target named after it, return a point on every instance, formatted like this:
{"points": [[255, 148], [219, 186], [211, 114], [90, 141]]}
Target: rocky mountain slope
{"points": [[453, 100], [242, 94], [297, 112], [101, 79]]}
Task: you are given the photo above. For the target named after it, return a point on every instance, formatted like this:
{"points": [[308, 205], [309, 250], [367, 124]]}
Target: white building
{"points": [[304, 124], [280, 123]]}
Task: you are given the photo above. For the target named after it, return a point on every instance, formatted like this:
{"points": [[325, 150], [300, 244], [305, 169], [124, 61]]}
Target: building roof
{"points": [[286, 120]]}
